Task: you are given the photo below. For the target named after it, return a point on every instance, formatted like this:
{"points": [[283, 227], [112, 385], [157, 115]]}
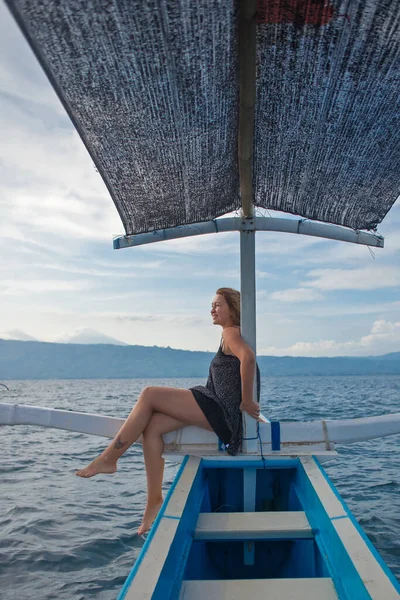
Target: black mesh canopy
{"points": [[327, 143], [152, 88]]}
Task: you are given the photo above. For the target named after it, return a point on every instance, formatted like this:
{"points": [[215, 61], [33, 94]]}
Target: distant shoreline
{"points": [[191, 377], [27, 360]]}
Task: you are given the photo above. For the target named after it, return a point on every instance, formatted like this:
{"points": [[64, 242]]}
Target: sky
{"points": [[60, 277]]}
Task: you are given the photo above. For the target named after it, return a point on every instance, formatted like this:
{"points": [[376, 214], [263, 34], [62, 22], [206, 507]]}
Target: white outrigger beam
{"points": [[222, 225], [316, 437]]}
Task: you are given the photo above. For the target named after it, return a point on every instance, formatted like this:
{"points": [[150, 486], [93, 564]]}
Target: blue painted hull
{"points": [[282, 486]]}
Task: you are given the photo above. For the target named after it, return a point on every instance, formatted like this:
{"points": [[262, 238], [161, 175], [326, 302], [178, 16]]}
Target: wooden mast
{"points": [[247, 99]]}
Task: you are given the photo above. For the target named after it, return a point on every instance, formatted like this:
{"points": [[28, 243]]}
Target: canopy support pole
{"points": [[248, 322], [248, 331]]}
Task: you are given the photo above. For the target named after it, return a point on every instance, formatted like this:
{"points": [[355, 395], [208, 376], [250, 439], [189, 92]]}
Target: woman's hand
{"points": [[252, 408]]}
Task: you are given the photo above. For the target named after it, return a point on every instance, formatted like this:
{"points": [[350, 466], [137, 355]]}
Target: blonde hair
{"points": [[232, 298]]}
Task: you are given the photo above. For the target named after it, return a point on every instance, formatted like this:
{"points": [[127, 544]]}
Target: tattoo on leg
{"points": [[119, 444]]}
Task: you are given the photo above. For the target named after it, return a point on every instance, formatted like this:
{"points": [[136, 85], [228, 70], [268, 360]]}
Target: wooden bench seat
{"points": [[259, 589], [253, 526]]}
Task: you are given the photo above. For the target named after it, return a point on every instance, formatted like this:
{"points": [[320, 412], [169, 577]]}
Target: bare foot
{"points": [[149, 515], [99, 465]]}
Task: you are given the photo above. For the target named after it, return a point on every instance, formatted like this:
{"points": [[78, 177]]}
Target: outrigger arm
{"points": [[278, 224], [317, 437]]}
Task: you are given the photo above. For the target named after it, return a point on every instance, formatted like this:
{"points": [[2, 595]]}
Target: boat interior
{"points": [[301, 541]]}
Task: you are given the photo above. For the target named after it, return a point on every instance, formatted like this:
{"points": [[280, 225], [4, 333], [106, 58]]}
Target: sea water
{"points": [[70, 538]]}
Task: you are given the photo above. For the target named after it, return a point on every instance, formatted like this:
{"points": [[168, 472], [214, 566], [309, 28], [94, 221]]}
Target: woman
{"points": [[216, 406]]}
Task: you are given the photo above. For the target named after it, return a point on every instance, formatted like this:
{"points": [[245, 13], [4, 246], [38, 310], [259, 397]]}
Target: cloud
{"points": [[116, 272], [320, 348], [338, 253], [366, 278], [177, 319], [48, 182], [383, 327], [351, 254], [285, 244], [384, 337], [217, 244], [184, 320], [88, 335], [265, 275], [123, 266], [140, 318], [296, 295], [21, 288], [383, 334], [261, 295], [20, 72], [16, 334], [345, 309]]}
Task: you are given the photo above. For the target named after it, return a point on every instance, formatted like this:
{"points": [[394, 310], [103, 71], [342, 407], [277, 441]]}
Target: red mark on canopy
{"points": [[298, 12]]}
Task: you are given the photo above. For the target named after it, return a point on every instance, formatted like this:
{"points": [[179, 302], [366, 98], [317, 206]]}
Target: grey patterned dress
{"points": [[220, 399]]}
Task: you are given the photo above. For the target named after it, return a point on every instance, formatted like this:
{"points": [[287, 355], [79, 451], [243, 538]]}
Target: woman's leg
{"points": [[173, 402], [153, 447]]}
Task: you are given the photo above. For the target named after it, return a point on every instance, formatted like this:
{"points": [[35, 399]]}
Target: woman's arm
{"points": [[238, 347]]}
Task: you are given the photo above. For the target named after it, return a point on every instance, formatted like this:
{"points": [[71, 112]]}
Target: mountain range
{"points": [[42, 360], [81, 336]]}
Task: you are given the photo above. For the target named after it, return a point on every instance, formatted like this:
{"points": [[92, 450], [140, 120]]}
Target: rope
{"points": [[258, 437], [299, 222]]}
